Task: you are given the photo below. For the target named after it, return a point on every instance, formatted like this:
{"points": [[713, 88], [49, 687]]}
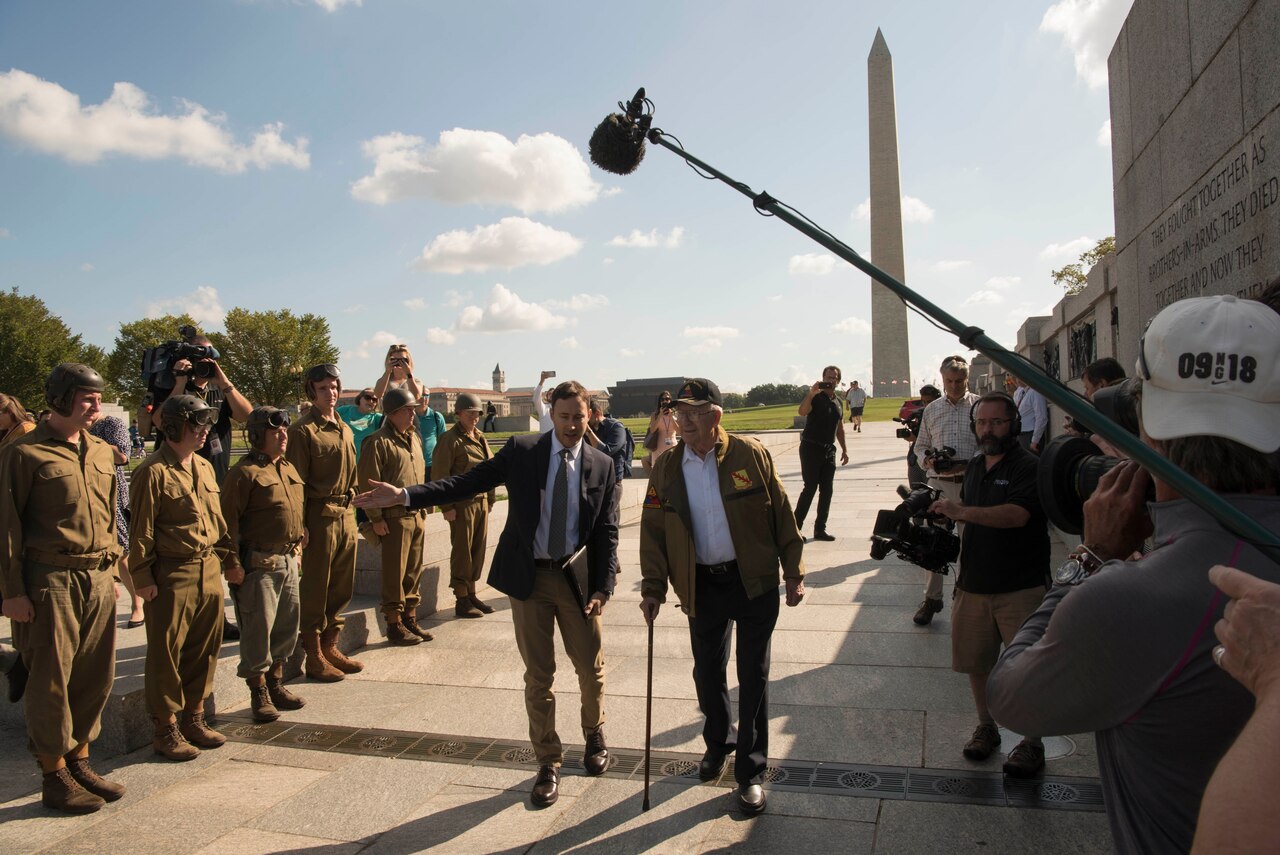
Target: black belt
{"points": [[719, 569], [548, 563]]}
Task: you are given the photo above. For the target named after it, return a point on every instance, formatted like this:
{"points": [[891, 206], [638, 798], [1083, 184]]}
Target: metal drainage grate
{"points": [[957, 787], [876, 782], [388, 743], [242, 731], [445, 749], [1060, 793], [316, 738]]}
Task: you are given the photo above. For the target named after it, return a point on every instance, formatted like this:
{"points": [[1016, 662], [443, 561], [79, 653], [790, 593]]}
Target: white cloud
{"points": [[1068, 251], [334, 5], [852, 326], [50, 119], [948, 266], [1104, 134], [1003, 283], [202, 304], [454, 299], [5, 234], [504, 312], [651, 239], [795, 374], [511, 242], [569, 343], [607, 261], [535, 173], [707, 339], [436, 335], [379, 341], [776, 298], [611, 191], [913, 210], [1088, 29], [630, 352], [811, 264], [353, 309], [415, 304], [87, 267], [578, 303], [983, 297]]}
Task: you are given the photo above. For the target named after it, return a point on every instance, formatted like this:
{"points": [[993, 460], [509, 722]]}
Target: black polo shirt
{"points": [[822, 421], [1001, 560]]}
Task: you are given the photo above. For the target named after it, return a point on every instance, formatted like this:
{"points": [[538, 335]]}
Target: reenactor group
{"points": [[280, 531]]}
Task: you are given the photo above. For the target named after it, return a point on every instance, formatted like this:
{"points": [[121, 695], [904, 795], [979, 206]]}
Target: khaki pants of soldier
{"points": [[184, 633], [70, 651], [951, 490], [328, 566], [535, 619], [402, 564], [267, 611], [468, 532]]}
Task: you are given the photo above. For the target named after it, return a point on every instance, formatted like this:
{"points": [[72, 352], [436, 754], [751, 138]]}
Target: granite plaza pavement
{"points": [[423, 750]]}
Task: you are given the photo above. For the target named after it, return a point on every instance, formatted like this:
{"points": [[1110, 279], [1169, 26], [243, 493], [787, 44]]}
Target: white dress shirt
{"points": [[711, 541], [574, 462], [1033, 412]]}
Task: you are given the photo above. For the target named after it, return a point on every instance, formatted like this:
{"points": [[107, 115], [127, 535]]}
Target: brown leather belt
{"points": [[290, 548], [88, 561]]}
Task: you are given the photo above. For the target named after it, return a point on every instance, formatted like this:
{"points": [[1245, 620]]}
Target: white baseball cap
{"points": [[1209, 368]]}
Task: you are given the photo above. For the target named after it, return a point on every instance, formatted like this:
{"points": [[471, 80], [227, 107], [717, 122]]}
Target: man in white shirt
{"points": [[1034, 414]]}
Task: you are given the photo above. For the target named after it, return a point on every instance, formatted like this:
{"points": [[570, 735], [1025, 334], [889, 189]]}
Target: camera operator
{"points": [[823, 428], [911, 430], [1098, 374], [205, 380], [1004, 565], [1126, 651], [945, 422]]}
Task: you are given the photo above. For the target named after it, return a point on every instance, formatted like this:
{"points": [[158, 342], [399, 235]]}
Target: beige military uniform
{"points": [[324, 454], [456, 453], [263, 503], [396, 458], [57, 513], [178, 542]]}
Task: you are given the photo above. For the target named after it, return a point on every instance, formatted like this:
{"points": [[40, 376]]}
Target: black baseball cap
{"points": [[698, 391]]}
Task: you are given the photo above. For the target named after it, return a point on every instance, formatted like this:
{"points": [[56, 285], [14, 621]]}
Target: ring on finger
{"points": [[1218, 652]]}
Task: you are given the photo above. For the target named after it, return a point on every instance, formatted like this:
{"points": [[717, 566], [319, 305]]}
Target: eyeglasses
{"points": [[690, 415], [991, 422]]}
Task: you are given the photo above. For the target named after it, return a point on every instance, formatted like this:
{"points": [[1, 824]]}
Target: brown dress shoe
{"points": [[60, 791], [84, 775], [985, 739], [260, 702], [280, 694], [480, 604], [317, 667], [168, 742], [466, 609], [339, 660], [1025, 760], [596, 756], [546, 787], [194, 730], [399, 636], [410, 622]]}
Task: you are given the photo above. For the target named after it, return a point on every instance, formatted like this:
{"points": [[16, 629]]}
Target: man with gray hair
{"points": [[1123, 648], [945, 425]]}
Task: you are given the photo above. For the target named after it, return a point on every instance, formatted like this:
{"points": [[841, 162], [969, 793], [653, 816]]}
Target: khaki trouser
{"points": [[535, 619], [69, 650], [468, 533], [401, 563], [184, 633], [950, 490], [267, 610], [328, 566]]}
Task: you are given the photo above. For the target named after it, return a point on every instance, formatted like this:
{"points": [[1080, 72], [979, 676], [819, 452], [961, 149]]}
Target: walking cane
{"points": [[648, 718]]}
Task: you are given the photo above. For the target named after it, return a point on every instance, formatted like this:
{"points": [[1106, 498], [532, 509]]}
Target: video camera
{"points": [[941, 459], [157, 363], [925, 539], [912, 429]]}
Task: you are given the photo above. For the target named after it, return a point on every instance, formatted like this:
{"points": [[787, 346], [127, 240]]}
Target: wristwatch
{"points": [[1082, 564]]}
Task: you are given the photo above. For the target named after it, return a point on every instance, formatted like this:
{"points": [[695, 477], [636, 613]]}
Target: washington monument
{"points": [[890, 355]]}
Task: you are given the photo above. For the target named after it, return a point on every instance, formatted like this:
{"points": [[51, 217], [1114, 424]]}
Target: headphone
{"points": [[1015, 424]]}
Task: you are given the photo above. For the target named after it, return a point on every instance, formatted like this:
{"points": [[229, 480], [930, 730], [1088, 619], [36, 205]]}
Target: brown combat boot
{"points": [[410, 622], [400, 636], [317, 667], [60, 791], [329, 646], [195, 731], [93, 782], [260, 701], [168, 742], [280, 695], [464, 608], [480, 604]]}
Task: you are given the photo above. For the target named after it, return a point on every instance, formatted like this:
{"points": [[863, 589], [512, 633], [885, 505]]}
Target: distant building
{"points": [[639, 397]]}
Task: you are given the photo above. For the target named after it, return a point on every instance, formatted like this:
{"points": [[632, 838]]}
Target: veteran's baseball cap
{"points": [[1209, 368], [698, 391]]}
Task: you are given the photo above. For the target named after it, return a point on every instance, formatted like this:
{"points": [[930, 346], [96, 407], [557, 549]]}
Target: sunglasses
{"points": [[372, 399]]}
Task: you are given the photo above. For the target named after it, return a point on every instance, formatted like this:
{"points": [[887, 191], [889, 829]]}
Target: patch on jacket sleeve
{"points": [[651, 499], [741, 480]]}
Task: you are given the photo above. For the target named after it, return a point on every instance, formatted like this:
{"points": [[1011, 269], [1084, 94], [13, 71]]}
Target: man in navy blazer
{"points": [[561, 493]]}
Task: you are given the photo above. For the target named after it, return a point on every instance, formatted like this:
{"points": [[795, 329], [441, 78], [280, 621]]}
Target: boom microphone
{"points": [[617, 144]]}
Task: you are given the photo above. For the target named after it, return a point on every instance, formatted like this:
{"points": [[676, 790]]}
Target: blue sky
{"points": [[289, 153]]}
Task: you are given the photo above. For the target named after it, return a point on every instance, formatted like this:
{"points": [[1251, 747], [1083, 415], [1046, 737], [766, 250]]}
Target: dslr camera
{"points": [[157, 363], [925, 539], [941, 459]]}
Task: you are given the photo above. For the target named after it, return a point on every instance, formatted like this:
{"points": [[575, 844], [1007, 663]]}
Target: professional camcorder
{"points": [[157, 363], [925, 539], [912, 422], [942, 459]]}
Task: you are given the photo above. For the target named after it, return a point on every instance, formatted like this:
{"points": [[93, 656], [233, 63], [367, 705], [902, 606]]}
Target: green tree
{"points": [[734, 400], [32, 341], [266, 353], [1073, 277], [124, 365], [771, 394]]}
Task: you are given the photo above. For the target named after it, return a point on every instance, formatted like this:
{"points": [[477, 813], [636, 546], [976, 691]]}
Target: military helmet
{"points": [[467, 401], [398, 398], [179, 410], [263, 419], [64, 380]]}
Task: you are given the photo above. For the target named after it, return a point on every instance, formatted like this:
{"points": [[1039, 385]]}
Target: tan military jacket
{"points": [[393, 457], [324, 453], [762, 525], [175, 513], [262, 503], [456, 453], [55, 498]]}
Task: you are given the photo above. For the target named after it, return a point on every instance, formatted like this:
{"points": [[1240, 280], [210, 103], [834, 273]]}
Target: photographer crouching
{"points": [[1123, 648], [1004, 565]]}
